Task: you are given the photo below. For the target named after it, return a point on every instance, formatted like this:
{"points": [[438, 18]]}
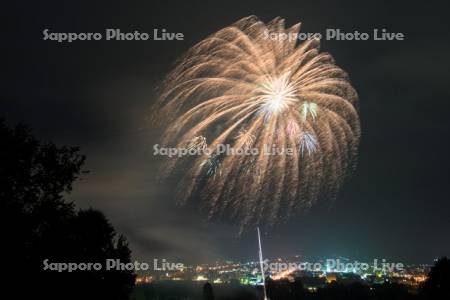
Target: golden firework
{"points": [[248, 85]]}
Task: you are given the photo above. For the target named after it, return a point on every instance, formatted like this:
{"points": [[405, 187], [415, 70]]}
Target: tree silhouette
{"points": [[38, 224], [284, 289], [208, 293], [437, 286], [297, 288]]}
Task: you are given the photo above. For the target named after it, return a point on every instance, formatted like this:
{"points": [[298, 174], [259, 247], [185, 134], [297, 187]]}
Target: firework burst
{"points": [[308, 108], [308, 143], [246, 137], [197, 143], [212, 165], [247, 86]]}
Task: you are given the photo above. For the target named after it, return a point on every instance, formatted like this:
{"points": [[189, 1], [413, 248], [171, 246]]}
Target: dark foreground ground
{"points": [[183, 290], [170, 290]]}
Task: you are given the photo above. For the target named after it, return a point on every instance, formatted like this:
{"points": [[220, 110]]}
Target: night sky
{"points": [[98, 95]]}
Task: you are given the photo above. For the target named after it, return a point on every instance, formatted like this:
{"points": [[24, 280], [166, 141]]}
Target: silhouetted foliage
{"points": [[437, 286], [391, 291], [294, 290], [297, 288], [352, 291], [284, 289], [38, 224], [208, 293]]}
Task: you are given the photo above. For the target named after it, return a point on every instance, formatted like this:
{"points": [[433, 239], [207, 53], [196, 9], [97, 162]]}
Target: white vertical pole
{"points": [[262, 264]]}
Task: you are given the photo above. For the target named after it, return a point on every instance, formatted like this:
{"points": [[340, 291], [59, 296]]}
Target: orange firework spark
{"points": [[243, 87]]}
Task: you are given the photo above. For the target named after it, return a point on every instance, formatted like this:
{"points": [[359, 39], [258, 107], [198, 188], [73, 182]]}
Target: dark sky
{"points": [[98, 95]]}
